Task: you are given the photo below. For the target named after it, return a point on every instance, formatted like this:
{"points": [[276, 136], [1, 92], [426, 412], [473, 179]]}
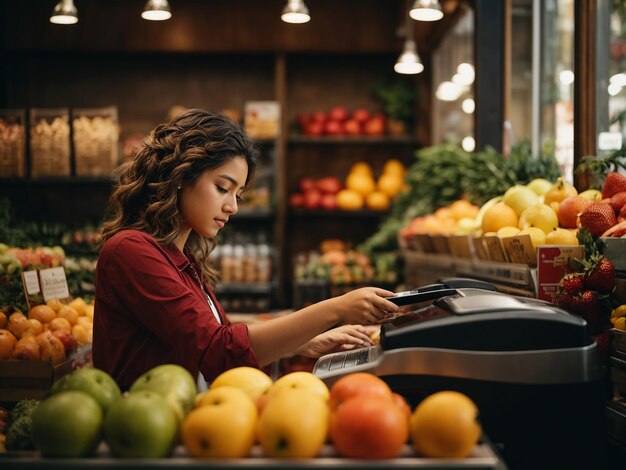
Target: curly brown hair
{"points": [[175, 154]]}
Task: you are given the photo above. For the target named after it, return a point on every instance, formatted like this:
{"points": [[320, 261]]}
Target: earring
{"points": [[178, 187]]}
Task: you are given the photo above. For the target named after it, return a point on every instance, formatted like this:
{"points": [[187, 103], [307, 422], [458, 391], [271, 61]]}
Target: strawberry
{"points": [[563, 300], [597, 218], [571, 283], [617, 201], [600, 275], [614, 183], [586, 304]]}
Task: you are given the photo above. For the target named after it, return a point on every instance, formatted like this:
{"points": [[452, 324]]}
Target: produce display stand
{"points": [[482, 457]]}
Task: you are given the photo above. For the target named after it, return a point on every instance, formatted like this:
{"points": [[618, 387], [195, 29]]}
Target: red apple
{"points": [[318, 116], [314, 128], [312, 199], [352, 127], [329, 185], [338, 113], [328, 202], [296, 200], [376, 125], [306, 184], [69, 342], [361, 115], [333, 127]]}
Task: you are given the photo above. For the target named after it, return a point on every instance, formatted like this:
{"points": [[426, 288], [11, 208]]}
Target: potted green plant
{"points": [[399, 97]]}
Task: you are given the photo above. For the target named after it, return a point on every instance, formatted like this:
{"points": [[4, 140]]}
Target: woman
{"points": [[154, 299]]}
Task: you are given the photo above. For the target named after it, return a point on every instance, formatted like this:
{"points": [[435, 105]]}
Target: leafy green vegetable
{"points": [[23, 408], [18, 436]]}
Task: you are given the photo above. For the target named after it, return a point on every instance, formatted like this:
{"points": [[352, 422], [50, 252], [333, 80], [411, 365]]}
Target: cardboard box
{"points": [[552, 264], [33, 379]]}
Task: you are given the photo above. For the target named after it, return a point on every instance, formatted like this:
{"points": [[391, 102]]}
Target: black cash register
{"points": [[532, 368]]}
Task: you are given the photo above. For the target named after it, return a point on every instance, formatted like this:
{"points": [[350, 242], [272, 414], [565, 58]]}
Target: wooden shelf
{"points": [[246, 288], [346, 139], [60, 180], [363, 213]]}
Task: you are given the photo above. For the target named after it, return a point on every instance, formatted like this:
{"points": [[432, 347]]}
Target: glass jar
{"points": [[96, 140]]}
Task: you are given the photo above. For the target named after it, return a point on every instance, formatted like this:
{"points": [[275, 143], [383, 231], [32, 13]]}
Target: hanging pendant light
{"points": [[156, 10], [409, 61], [295, 12], [426, 10], [64, 12]]}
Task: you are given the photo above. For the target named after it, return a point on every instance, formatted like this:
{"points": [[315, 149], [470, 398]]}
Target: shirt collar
{"points": [[178, 257]]}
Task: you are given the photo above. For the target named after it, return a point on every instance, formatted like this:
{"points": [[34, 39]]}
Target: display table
{"points": [[482, 457]]}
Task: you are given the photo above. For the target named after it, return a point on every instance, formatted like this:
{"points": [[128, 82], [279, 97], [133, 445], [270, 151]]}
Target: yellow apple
{"points": [[561, 236], [559, 191], [540, 186], [508, 231], [537, 236], [541, 216], [294, 424], [592, 195], [222, 426], [253, 381], [520, 198], [300, 380]]}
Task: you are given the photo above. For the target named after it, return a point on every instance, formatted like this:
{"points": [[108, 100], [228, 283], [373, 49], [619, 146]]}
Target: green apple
{"points": [[174, 383], [67, 424], [94, 382], [141, 425]]}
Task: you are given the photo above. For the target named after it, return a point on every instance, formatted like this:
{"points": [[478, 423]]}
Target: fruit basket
{"points": [[482, 457]]}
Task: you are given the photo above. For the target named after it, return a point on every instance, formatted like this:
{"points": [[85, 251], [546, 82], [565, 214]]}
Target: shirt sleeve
{"points": [[153, 293]]}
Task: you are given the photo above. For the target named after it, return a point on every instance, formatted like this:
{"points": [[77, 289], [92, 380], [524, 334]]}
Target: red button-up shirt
{"points": [[151, 310]]}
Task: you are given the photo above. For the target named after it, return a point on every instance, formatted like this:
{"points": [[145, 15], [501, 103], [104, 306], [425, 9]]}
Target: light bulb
{"points": [[426, 10], [64, 12], [156, 10], [409, 61], [295, 12]]}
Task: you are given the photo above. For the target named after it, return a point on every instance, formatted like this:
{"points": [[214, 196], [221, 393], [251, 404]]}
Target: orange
{"points": [[349, 200], [395, 167], [497, 216], [79, 305], [463, 209], [362, 167], [7, 344], [377, 200], [43, 313], [69, 314], [357, 383], [60, 324], [54, 304], [444, 425], [361, 183], [390, 184], [3, 320], [369, 427]]}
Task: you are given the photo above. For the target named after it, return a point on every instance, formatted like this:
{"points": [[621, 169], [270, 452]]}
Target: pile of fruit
{"points": [[359, 189], [339, 122], [50, 332], [340, 265], [293, 417]]}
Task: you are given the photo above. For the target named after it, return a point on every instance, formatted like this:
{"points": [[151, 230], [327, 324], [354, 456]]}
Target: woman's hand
{"points": [[365, 306], [339, 339]]}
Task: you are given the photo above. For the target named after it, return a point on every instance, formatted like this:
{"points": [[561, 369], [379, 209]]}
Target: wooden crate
{"points": [[33, 379]]}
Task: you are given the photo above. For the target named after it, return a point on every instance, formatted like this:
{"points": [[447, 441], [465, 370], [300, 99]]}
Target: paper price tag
{"points": [[53, 283], [31, 282]]}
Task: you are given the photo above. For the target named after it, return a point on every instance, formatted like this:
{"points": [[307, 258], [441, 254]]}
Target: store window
{"points": [[542, 78], [610, 75], [453, 79]]}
